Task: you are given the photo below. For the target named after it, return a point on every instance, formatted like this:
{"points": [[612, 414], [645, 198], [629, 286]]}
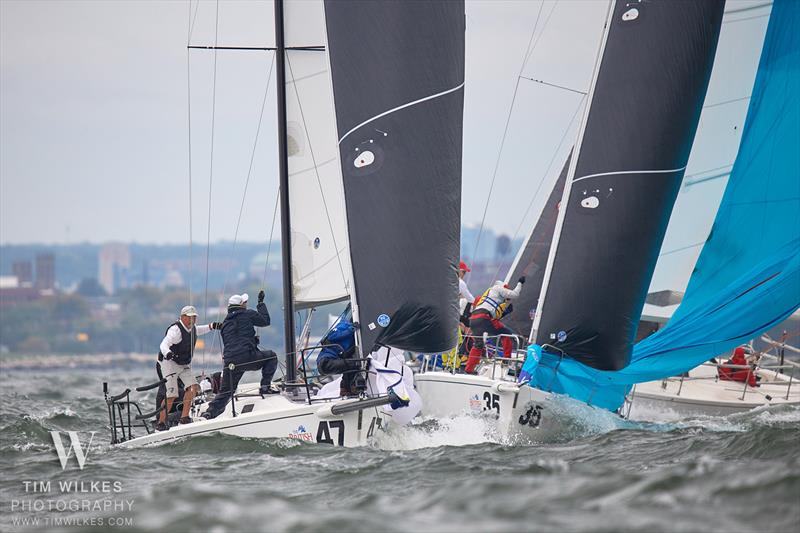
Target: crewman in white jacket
{"points": [[490, 307], [175, 361]]}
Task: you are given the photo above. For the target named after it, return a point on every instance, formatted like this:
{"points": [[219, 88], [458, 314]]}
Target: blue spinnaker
{"points": [[747, 279]]}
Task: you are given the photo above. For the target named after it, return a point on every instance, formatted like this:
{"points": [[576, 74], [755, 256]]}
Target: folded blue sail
{"points": [[747, 278]]}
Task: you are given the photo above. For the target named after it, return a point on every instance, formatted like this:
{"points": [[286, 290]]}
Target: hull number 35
{"points": [[491, 402], [532, 416]]}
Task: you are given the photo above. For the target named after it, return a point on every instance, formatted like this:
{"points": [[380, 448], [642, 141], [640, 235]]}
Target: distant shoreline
{"points": [[10, 362]]}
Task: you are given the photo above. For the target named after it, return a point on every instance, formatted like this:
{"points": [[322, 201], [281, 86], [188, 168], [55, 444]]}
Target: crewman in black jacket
{"points": [[240, 347]]}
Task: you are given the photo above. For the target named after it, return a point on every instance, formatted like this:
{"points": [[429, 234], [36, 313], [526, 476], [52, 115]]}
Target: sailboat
{"points": [[746, 278], [370, 111], [619, 185]]}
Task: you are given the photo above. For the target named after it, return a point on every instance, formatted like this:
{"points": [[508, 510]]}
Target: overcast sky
{"points": [[94, 133]]}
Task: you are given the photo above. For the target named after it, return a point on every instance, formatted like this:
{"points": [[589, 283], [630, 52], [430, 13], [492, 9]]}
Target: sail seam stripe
{"points": [[670, 171], [398, 108]]}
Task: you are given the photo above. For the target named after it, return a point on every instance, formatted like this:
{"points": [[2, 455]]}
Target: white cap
{"points": [[235, 300], [189, 310], [245, 297]]}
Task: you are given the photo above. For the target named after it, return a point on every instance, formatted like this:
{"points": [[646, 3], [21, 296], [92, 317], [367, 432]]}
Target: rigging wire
{"points": [[727, 101], [528, 53], [192, 20], [211, 169], [247, 180], [316, 172], [244, 197], [554, 85], [189, 128], [544, 175], [269, 242]]}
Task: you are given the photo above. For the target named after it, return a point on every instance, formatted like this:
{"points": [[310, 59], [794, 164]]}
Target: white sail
{"points": [[319, 255]]}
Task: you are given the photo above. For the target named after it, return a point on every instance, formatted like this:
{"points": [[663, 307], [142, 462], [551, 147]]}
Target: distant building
{"points": [[9, 282], [114, 262], [11, 293], [23, 270], [45, 271], [172, 278]]}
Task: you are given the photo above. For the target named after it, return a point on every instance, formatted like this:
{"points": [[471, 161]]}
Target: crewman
{"points": [[175, 362], [337, 357], [457, 356], [465, 298], [240, 348], [489, 308], [741, 359]]}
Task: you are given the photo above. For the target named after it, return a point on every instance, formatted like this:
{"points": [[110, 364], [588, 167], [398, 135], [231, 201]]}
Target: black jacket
{"points": [[239, 334]]}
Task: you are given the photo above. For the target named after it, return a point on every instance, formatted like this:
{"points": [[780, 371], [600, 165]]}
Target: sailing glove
{"points": [[216, 325], [261, 296], [521, 279], [170, 356]]}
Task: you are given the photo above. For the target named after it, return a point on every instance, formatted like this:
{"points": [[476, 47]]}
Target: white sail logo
{"points": [[75, 444], [364, 159]]}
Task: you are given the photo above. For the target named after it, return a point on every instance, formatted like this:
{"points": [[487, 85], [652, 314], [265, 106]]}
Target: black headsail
{"points": [[634, 143], [398, 87], [532, 259]]}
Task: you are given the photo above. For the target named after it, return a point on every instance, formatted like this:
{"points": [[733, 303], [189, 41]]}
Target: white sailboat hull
{"points": [[274, 417], [519, 412], [703, 394]]}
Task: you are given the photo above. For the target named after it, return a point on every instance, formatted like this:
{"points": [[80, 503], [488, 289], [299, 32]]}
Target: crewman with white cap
{"points": [[175, 361], [240, 349]]}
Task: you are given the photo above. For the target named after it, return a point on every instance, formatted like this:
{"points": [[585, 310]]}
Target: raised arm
{"points": [[260, 317], [509, 293]]}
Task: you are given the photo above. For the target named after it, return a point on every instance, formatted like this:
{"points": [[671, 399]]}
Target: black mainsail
{"points": [[398, 77], [632, 149]]}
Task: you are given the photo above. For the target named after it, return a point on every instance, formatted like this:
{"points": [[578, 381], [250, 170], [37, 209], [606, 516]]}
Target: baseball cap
{"points": [[463, 266], [245, 297], [236, 299], [189, 310]]}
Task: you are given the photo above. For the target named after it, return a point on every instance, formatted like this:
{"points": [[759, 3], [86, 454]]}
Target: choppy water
{"points": [[740, 473]]}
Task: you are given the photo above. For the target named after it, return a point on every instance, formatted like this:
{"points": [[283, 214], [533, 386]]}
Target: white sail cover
{"points": [[386, 371], [316, 200]]}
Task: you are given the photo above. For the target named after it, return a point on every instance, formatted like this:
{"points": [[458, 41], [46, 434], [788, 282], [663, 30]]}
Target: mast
{"points": [[283, 169]]}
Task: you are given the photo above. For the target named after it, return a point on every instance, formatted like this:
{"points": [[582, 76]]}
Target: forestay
{"points": [[398, 82]]}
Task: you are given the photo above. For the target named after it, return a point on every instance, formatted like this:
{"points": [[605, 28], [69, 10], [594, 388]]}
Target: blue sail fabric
{"points": [[747, 279]]}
